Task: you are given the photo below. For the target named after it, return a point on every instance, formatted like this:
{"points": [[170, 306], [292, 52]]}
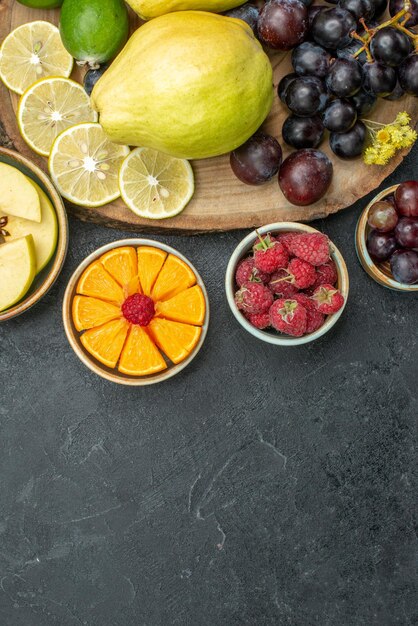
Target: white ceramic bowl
{"points": [[73, 335], [272, 336]]}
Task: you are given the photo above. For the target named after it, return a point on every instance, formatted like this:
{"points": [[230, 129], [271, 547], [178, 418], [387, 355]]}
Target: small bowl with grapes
{"points": [[387, 237]]}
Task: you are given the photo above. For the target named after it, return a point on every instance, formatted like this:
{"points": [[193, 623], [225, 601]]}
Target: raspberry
{"points": [[285, 239], [326, 274], [253, 298], [259, 320], [289, 317], [246, 271], [328, 299], [311, 247], [314, 318], [269, 254], [303, 273], [138, 309], [281, 284]]}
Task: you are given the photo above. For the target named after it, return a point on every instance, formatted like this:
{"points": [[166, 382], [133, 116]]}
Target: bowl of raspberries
{"points": [[287, 283]]}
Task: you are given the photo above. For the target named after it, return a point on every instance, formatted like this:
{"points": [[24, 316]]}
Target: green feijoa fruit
{"points": [[94, 31], [41, 4]]}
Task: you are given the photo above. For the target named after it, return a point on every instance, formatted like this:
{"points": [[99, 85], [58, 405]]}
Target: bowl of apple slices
{"points": [[33, 234]]}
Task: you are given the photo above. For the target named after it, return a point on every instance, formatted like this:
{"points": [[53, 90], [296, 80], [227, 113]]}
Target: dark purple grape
{"points": [[92, 76], [378, 79], [344, 78], [311, 59], [305, 176], [381, 245], [382, 216], [350, 144], [349, 51], [332, 28], [390, 46], [306, 96], [406, 232], [397, 5], [339, 116], [363, 102], [257, 160], [380, 7], [358, 8], [283, 24], [406, 198], [404, 266], [396, 94], [248, 13], [313, 12], [283, 86], [303, 132], [408, 75]]}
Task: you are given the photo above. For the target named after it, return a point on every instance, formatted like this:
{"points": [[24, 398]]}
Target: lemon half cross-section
{"points": [[49, 107], [31, 52], [84, 165], [155, 185]]}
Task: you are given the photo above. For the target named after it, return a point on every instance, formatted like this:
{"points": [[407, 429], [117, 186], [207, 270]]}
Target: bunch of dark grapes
{"points": [[343, 61], [353, 61]]}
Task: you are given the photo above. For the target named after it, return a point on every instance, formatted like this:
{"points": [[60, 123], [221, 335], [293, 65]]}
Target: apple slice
{"points": [[44, 233], [17, 270], [17, 196]]}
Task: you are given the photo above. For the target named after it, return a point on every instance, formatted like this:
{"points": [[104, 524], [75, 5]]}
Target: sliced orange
{"points": [[140, 356], [150, 262], [188, 306], [176, 340], [122, 265], [95, 281], [174, 277], [90, 312], [105, 342]]}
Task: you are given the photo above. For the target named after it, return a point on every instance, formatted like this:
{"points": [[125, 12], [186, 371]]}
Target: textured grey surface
{"points": [[262, 486]]}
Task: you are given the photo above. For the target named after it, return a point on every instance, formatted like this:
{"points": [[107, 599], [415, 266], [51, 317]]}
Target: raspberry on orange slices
{"points": [[140, 309]]}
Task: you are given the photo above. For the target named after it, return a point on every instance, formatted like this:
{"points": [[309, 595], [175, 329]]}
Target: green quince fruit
{"points": [[147, 9], [191, 84]]}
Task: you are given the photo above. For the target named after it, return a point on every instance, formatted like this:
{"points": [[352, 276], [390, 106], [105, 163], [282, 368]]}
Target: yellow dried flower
{"points": [[387, 139]]}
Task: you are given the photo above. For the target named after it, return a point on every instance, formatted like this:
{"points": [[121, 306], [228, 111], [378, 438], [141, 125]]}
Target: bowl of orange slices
{"points": [[136, 312]]}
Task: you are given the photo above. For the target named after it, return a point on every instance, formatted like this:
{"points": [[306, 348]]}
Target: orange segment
{"points": [[105, 342], [174, 339], [122, 265], [187, 306], [91, 312], [174, 277], [139, 355], [150, 262], [98, 283]]}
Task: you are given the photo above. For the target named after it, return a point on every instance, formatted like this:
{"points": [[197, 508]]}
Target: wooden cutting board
{"points": [[220, 202]]}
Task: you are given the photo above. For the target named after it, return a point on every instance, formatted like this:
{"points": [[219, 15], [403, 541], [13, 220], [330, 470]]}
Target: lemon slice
{"points": [[155, 185], [30, 52], [49, 107], [84, 165]]}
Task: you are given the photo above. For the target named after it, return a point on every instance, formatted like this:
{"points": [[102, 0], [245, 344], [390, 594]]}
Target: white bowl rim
{"points": [[89, 361], [282, 340]]}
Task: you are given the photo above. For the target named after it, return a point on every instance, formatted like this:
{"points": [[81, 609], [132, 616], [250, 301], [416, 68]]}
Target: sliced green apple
{"points": [[17, 270], [44, 233], [17, 196]]}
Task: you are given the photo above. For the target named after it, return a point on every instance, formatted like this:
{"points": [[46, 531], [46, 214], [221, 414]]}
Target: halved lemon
{"points": [[84, 165], [155, 185], [49, 107], [30, 52]]}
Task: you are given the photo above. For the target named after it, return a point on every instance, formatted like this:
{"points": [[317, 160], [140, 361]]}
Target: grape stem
{"points": [[397, 21]]}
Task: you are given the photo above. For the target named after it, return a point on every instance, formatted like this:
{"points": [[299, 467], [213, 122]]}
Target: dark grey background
{"points": [[261, 486]]}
